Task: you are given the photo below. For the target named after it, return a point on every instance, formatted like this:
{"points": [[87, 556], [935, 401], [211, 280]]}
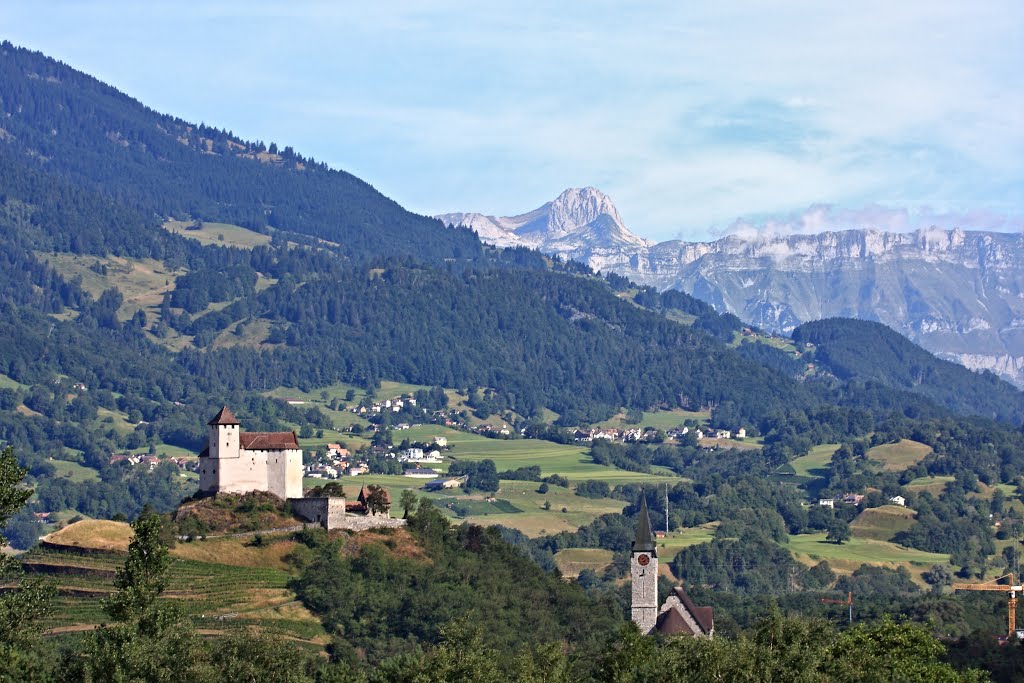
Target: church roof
{"points": [[644, 538], [672, 622], [268, 441], [224, 417]]}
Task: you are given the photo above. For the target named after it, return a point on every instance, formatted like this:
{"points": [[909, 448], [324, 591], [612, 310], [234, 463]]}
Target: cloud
{"points": [[825, 217]]}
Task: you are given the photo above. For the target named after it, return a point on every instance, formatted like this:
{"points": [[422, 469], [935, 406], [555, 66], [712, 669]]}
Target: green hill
{"points": [[882, 523], [869, 352]]}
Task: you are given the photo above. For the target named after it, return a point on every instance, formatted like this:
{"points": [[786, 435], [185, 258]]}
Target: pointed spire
{"points": [[644, 538], [224, 417]]}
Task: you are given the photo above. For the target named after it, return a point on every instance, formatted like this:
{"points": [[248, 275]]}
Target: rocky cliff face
{"points": [[575, 223], [959, 294]]}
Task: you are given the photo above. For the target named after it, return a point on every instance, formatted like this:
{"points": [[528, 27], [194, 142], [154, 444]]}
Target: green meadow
{"points": [[661, 419], [73, 471], [224, 234], [846, 557], [816, 463], [572, 561], [569, 461], [8, 383], [896, 457]]}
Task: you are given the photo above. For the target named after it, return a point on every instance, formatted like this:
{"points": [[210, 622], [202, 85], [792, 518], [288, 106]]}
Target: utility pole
{"points": [[666, 508]]}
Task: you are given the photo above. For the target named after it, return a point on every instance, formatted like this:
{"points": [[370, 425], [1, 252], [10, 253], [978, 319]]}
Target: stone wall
{"points": [[326, 511], [361, 523], [329, 512]]}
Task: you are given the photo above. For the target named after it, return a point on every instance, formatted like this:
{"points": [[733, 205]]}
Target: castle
{"points": [[677, 615], [237, 462]]}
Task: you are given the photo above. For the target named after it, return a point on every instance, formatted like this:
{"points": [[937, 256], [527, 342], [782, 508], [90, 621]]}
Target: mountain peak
{"points": [[577, 208], [578, 219]]}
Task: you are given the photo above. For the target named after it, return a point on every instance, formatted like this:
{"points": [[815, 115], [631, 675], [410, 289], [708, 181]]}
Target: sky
{"points": [[696, 118]]}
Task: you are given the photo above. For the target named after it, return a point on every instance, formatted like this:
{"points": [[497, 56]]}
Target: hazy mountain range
{"points": [[958, 293]]}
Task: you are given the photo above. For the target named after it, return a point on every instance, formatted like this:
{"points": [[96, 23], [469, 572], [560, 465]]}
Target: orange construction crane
{"points": [[1012, 588], [848, 601]]}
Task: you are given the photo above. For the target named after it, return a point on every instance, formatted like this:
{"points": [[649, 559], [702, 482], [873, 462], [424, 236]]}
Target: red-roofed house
{"points": [[237, 462]]}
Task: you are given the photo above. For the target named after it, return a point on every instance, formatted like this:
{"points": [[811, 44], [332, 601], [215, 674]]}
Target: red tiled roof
{"points": [[224, 417], [268, 441]]}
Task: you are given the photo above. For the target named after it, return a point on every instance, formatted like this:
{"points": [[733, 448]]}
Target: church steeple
{"points": [[644, 542], [643, 571]]}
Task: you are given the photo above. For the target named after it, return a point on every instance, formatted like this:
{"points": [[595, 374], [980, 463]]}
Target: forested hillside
{"points": [[863, 352], [93, 136]]}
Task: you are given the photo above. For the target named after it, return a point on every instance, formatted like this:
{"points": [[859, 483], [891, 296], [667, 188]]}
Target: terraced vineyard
{"points": [[216, 597]]}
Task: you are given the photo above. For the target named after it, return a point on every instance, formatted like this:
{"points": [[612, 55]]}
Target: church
{"points": [[237, 462], [677, 615]]}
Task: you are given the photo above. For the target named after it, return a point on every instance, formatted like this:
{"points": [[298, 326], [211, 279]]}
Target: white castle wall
{"points": [[232, 469], [284, 471]]}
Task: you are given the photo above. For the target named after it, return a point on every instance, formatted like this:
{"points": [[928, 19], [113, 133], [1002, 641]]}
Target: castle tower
{"points": [[237, 462], [643, 570], [224, 430]]}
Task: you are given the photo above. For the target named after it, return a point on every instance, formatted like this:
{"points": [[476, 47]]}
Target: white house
{"points": [[898, 500], [412, 454], [741, 433], [827, 502]]}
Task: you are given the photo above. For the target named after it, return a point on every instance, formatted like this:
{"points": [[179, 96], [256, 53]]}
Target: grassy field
{"points": [[212, 233], [933, 485], [169, 451], [661, 419], [99, 534], [572, 461], [73, 471], [816, 463], [882, 523], [8, 383], [896, 457], [847, 557], [116, 419], [684, 538], [740, 445], [142, 282], [780, 343], [247, 334], [572, 561]]}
